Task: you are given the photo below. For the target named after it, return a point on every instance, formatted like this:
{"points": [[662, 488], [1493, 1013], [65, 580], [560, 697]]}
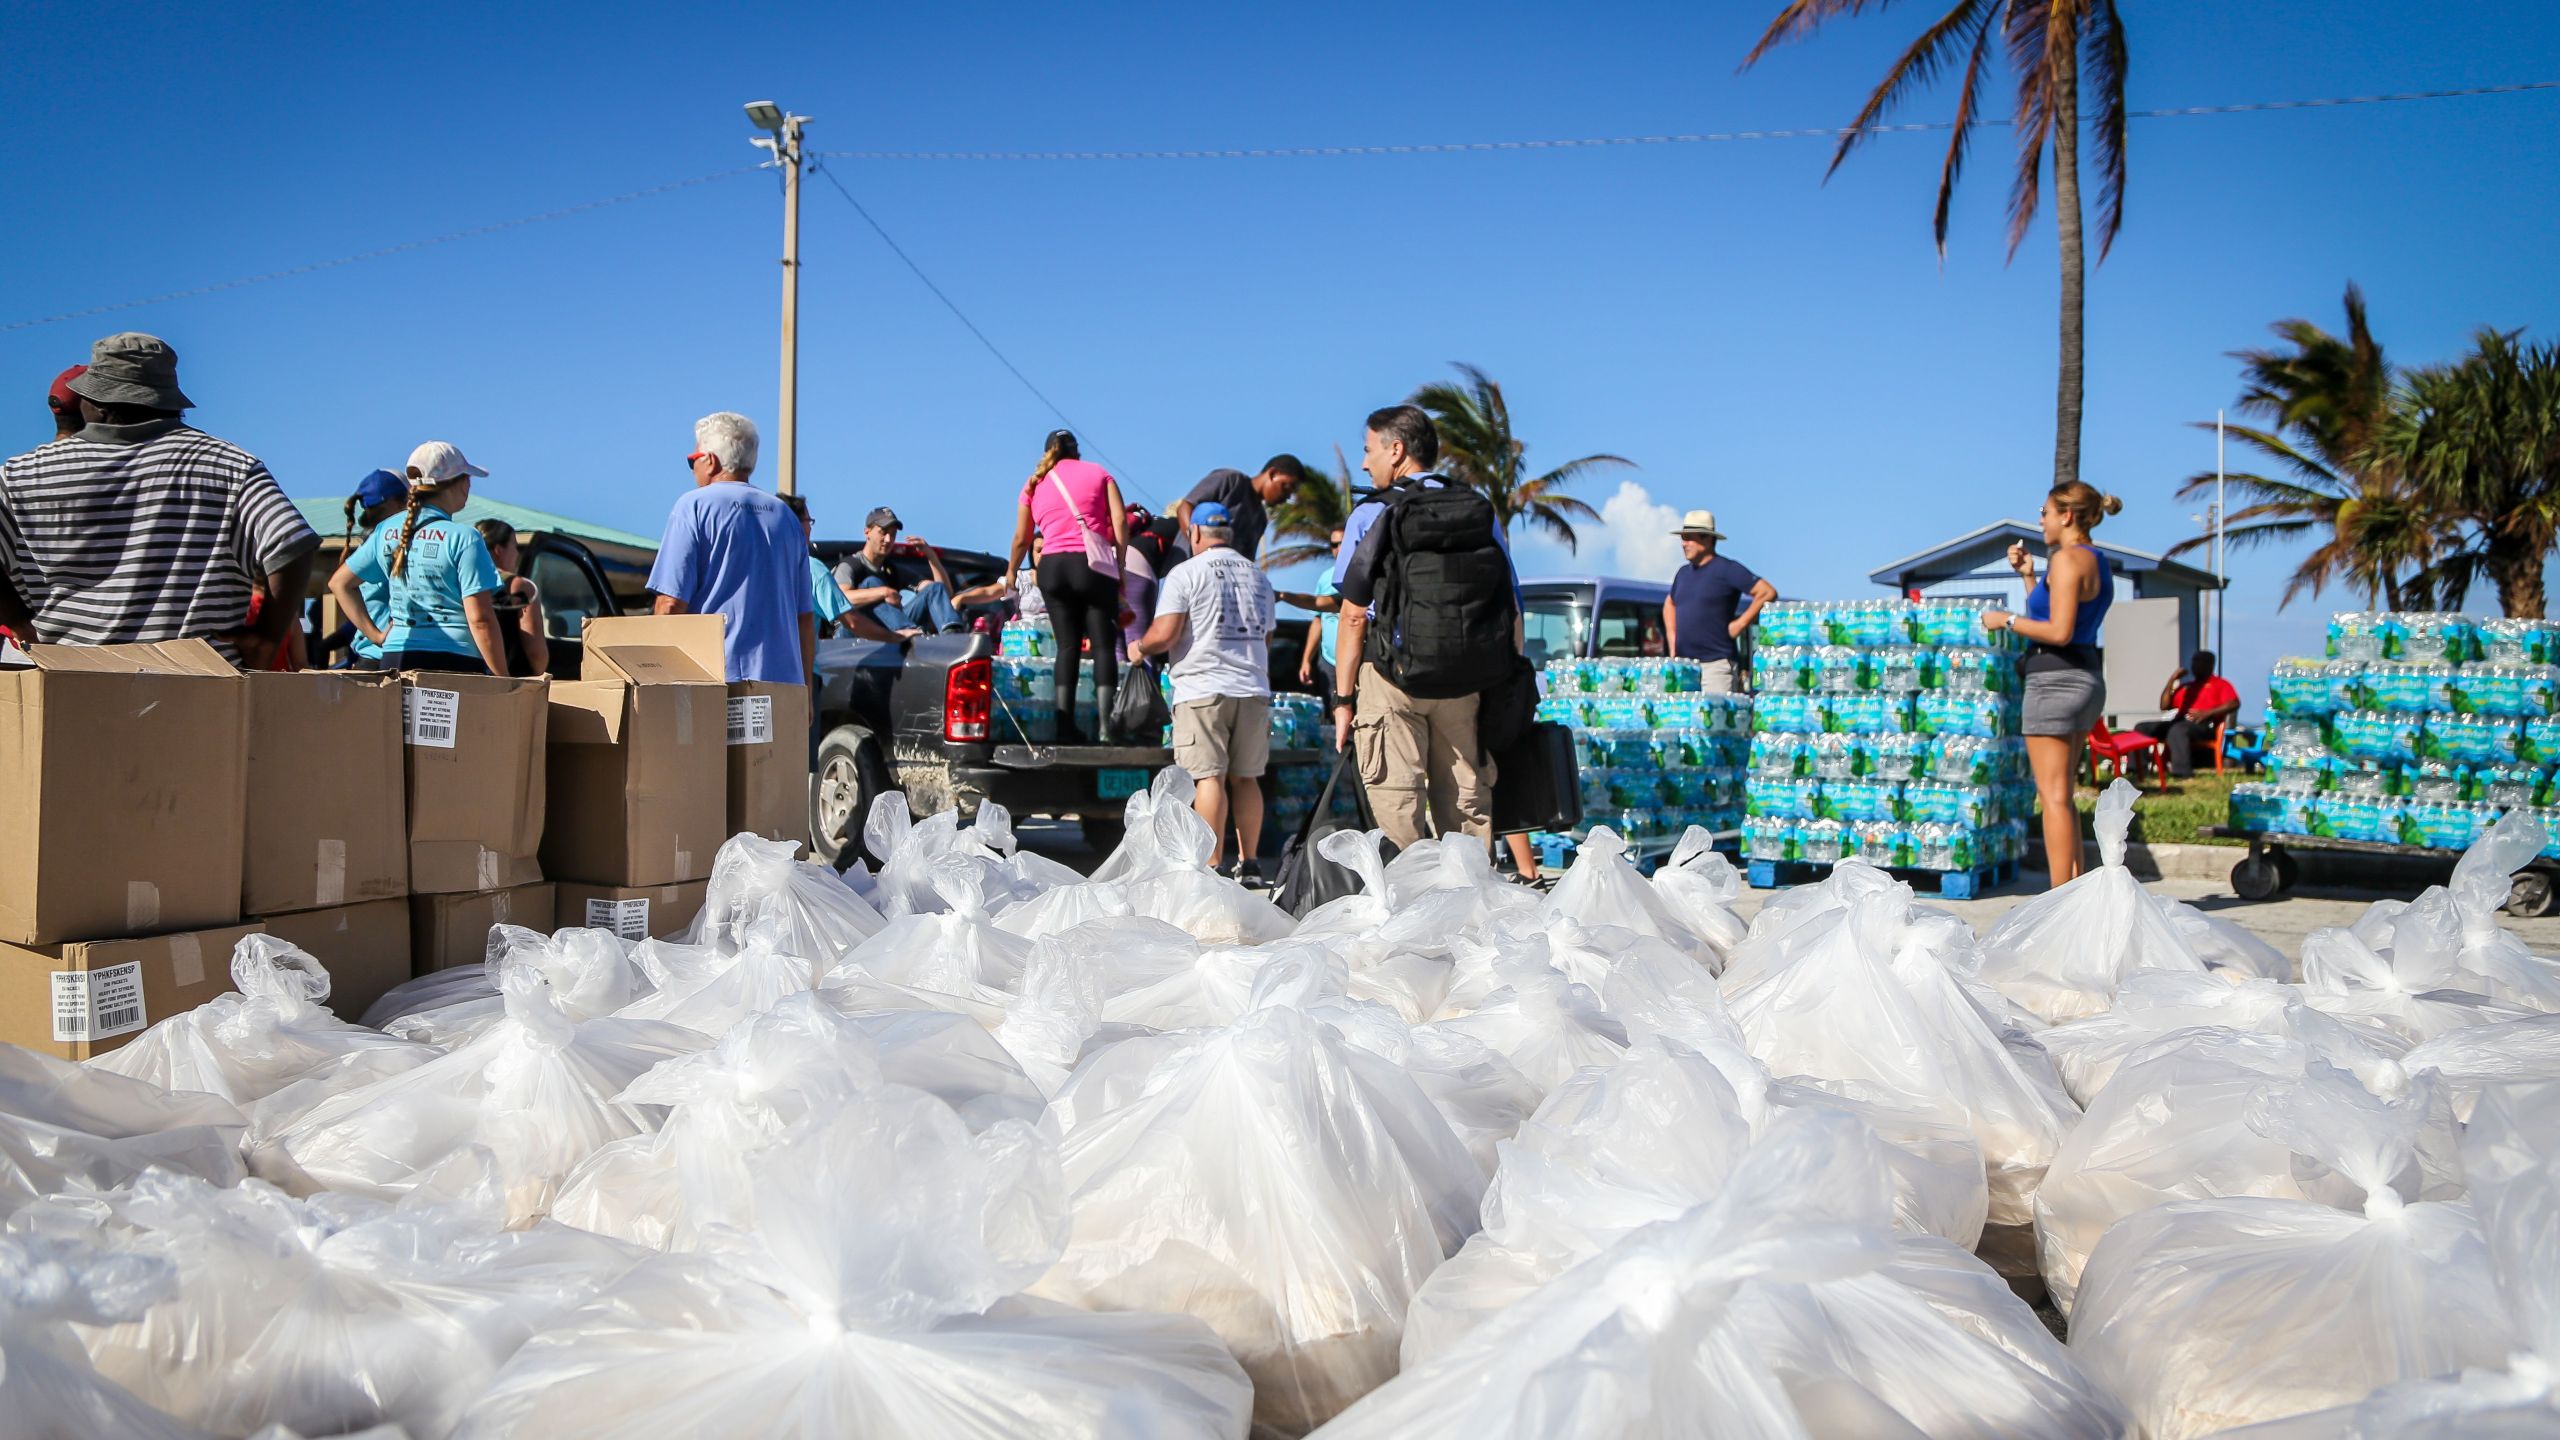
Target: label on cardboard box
{"points": [[98, 1004], [430, 717], [750, 719], [626, 918]]}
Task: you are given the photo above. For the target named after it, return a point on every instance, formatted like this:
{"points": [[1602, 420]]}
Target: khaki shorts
{"points": [[1224, 735]]}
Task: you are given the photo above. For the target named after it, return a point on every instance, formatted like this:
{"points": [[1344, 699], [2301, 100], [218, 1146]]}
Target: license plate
{"points": [[1119, 784]]}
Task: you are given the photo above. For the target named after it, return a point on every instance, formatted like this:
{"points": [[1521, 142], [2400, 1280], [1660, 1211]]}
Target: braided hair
{"points": [[420, 488]]}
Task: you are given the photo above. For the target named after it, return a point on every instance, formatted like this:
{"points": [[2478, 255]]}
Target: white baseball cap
{"points": [[438, 461], [1699, 522]]}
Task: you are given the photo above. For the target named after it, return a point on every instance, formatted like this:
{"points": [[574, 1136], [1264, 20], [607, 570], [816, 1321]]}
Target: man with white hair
{"points": [[737, 552]]}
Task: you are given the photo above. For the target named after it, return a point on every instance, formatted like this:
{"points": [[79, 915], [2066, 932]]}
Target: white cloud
{"points": [[1640, 531]]}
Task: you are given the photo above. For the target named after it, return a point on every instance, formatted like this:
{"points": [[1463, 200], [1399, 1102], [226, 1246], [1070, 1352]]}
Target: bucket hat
{"points": [[132, 368]]}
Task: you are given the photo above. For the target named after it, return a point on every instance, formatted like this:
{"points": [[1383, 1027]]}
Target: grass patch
{"points": [[2176, 818]]}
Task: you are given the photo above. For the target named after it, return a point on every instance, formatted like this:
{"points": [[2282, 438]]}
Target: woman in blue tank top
{"points": [[2065, 691]]}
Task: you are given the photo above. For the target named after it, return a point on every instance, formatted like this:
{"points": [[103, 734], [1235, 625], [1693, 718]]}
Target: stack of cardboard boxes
{"points": [[156, 806]]}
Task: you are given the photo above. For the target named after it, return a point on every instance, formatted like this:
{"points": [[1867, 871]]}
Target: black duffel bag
{"points": [[1308, 879]]}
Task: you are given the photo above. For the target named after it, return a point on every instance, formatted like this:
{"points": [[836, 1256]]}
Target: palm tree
{"points": [[2048, 43], [1477, 446], [2480, 438], [1310, 517], [2326, 401]]}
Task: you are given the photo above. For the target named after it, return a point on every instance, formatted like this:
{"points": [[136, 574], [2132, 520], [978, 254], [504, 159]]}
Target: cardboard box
{"points": [[92, 996], [475, 773], [123, 791], [769, 760], [450, 930], [638, 764], [633, 912], [365, 949], [329, 824]]}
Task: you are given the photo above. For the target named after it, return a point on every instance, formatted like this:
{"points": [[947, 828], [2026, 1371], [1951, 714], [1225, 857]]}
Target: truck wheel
{"points": [[850, 775]]}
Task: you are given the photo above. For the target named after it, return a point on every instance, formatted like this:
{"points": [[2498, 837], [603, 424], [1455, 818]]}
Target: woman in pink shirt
{"points": [[1084, 545]]}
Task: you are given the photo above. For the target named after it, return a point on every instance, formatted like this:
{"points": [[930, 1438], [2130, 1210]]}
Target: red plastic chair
{"points": [[2112, 748]]}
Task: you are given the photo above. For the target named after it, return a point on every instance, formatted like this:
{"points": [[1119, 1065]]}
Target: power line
{"points": [[400, 249], [1819, 132], [962, 316]]}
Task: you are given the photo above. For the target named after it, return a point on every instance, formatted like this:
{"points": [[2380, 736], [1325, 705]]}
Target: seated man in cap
{"points": [[139, 527], [869, 583], [1712, 601]]}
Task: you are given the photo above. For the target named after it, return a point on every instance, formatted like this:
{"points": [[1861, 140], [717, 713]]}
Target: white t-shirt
{"points": [[1226, 646]]}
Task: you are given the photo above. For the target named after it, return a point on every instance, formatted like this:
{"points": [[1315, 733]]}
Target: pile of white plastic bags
{"points": [[974, 1146]]}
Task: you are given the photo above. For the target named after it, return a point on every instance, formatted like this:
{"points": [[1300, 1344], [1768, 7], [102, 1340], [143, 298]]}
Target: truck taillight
{"points": [[968, 700]]}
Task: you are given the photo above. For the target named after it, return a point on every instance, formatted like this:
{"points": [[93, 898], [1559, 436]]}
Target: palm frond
{"points": [[1302, 553], [2105, 74], [1918, 66], [1960, 137], [2028, 30], [1801, 18]]}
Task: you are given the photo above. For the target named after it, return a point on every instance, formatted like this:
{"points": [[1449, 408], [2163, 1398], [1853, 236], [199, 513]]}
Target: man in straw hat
{"points": [[139, 527], [1713, 600]]}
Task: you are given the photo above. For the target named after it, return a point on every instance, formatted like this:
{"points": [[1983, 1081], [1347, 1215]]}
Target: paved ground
{"points": [[2281, 922]]}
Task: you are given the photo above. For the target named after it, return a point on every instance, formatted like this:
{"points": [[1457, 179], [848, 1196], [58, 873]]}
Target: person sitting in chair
{"points": [[2197, 700]]}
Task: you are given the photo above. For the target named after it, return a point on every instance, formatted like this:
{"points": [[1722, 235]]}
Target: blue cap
{"points": [[380, 487], [1209, 513]]}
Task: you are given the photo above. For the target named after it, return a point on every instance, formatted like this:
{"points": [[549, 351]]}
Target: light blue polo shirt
{"points": [[447, 563], [826, 595], [734, 551], [373, 585]]}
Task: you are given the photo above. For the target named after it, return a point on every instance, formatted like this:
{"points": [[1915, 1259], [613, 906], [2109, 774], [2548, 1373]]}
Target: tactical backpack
{"points": [[1442, 612]]}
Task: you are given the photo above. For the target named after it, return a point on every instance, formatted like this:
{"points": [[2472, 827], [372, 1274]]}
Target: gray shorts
{"points": [[2066, 703]]}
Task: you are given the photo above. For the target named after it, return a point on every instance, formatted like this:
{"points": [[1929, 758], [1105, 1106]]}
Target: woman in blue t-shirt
{"points": [[442, 584], [364, 595]]}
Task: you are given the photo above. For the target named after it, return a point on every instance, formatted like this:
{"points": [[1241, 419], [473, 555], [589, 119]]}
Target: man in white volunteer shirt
{"points": [[1214, 613]]}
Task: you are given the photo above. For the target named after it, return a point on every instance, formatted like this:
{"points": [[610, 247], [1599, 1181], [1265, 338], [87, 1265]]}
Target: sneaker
{"points": [[1253, 879]]}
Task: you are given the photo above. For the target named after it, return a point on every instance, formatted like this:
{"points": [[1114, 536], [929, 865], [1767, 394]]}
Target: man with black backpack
{"points": [[1430, 622]]}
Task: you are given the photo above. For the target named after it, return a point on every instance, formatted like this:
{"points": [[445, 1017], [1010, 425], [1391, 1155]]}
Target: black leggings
{"points": [[1083, 606], [438, 662]]}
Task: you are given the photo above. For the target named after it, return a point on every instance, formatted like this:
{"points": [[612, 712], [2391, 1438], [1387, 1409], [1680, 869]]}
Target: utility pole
{"points": [[782, 140], [2221, 582]]}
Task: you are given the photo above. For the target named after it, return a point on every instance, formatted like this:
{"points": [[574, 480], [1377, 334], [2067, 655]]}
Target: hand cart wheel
{"points": [[2530, 895]]}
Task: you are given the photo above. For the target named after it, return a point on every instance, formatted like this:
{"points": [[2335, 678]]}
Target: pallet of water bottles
{"points": [[1654, 753], [1886, 730], [2413, 729]]}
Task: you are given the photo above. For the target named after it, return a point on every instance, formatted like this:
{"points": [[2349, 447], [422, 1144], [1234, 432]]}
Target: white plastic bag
{"points": [[1875, 991], [2172, 1124], [2389, 969], [2466, 1061], [335, 1313], [1288, 1188], [2512, 1155], [65, 1126], [870, 1292], [760, 884], [2207, 1314], [1784, 1308], [272, 1033], [754, 978], [954, 948], [1543, 1023], [2153, 1003], [1601, 887], [48, 1388], [537, 1089], [773, 1070], [1697, 887], [2064, 953], [588, 973]]}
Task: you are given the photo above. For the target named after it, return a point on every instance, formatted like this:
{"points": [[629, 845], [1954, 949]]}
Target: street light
{"points": [[782, 140]]}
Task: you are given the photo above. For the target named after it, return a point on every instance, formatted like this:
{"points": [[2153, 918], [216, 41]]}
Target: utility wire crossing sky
{"points": [[1301, 152]]}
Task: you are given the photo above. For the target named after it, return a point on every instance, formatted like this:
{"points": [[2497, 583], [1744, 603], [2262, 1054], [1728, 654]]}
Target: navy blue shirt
{"points": [[1705, 598]]}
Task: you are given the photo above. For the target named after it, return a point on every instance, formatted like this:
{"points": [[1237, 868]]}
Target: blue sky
{"points": [[1789, 353]]}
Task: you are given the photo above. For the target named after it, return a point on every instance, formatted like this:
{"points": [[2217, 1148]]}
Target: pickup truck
{"points": [[921, 717]]}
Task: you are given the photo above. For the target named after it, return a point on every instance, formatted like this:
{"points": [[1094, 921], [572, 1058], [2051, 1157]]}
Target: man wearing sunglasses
{"points": [[737, 552]]}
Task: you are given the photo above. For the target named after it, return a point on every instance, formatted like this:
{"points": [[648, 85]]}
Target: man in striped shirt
{"points": [[140, 527]]}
